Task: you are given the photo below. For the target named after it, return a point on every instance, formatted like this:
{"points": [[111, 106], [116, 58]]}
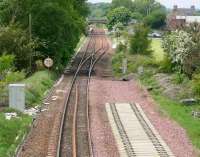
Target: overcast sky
{"points": [[168, 3]]}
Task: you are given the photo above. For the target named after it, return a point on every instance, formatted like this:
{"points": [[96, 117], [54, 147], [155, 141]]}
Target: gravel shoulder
{"points": [[36, 144], [108, 91]]}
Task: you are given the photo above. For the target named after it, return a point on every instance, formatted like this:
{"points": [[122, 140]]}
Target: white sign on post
{"points": [[48, 62]]}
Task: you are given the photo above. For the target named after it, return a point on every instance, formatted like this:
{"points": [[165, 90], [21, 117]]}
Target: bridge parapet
{"points": [[98, 21]]}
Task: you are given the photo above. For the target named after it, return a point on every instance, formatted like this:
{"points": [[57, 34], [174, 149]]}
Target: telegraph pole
{"points": [[30, 36], [30, 26]]}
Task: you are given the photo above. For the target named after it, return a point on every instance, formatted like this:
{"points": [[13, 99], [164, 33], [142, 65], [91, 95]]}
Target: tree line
{"points": [[32, 30], [149, 12]]}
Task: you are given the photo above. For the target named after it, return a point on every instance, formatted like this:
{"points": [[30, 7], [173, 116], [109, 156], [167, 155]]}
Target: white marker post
{"points": [[48, 62], [124, 65]]}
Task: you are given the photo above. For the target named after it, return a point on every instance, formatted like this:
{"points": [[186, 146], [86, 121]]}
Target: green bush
{"points": [[6, 63], [117, 63], [14, 40], [121, 47], [134, 62], [36, 86], [179, 78], [166, 65], [11, 77], [156, 19], [139, 42], [196, 84], [39, 65]]}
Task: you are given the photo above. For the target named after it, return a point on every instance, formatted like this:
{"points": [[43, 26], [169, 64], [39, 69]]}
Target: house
{"points": [[180, 17]]}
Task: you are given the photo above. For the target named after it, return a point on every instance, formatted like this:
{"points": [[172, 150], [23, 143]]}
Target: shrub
{"points": [[6, 63], [15, 41], [179, 47], [134, 62], [36, 85], [139, 42], [121, 47], [196, 84], [178, 78], [39, 65], [11, 77], [118, 15], [166, 64], [156, 19]]}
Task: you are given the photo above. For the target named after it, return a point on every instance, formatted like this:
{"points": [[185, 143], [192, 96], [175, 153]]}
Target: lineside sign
{"points": [[48, 62]]}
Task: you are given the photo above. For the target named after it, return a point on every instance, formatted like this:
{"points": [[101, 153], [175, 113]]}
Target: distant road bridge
{"points": [[97, 21]]}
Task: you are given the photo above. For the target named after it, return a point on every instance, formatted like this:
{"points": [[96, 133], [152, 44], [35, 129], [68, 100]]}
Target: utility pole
{"points": [[30, 26], [30, 37]]}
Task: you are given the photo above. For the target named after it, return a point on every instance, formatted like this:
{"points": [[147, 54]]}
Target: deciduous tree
{"points": [[118, 15], [139, 42]]}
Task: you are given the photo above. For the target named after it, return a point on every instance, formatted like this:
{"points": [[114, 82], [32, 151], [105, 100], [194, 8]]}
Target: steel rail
{"points": [[82, 62], [89, 79], [68, 97]]}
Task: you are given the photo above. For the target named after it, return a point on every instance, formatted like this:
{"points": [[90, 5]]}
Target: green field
{"points": [[158, 52]]}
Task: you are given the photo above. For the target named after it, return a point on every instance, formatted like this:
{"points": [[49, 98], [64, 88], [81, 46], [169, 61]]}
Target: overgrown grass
{"points": [[11, 132], [36, 87], [158, 52], [177, 111], [81, 41], [134, 62], [183, 115], [174, 109]]}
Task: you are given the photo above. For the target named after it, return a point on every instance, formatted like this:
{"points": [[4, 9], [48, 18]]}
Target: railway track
{"points": [[73, 138], [136, 137]]}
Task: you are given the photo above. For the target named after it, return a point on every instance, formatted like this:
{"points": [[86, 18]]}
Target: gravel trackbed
{"points": [[108, 91]]}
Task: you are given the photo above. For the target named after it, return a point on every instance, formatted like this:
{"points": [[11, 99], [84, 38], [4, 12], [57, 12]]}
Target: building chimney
{"points": [[193, 7], [175, 7]]}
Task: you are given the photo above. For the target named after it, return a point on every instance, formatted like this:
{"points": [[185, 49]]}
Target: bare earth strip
{"points": [[106, 91]]}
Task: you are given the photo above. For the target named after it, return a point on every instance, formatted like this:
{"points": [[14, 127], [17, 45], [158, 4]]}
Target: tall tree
{"points": [[139, 42], [122, 3], [156, 19], [118, 15], [57, 23], [145, 7]]}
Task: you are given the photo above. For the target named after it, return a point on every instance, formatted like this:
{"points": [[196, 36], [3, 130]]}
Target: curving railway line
{"points": [[70, 135], [74, 133]]}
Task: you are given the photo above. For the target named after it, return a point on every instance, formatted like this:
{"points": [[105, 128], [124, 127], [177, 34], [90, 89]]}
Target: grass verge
{"points": [[36, 87], [175, 110], [11, 132], [158, 52]]}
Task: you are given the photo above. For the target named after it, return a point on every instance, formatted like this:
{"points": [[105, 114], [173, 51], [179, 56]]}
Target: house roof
{"points": [[182, 11], [189, 19]]}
